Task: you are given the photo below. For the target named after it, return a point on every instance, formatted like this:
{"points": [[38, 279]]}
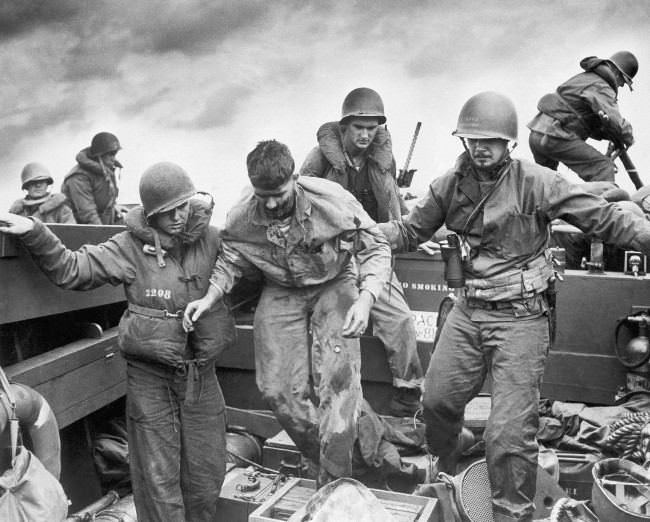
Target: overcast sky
{"points": [[200, 82]]}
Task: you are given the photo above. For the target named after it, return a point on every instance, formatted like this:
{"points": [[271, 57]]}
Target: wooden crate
{"points": [[297, 492]]}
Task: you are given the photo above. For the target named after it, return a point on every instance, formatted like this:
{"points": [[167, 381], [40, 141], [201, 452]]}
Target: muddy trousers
{"points": [[321, 417], [177, 447], [583, 159], [323, 413], [392, 323], [512, 352]]}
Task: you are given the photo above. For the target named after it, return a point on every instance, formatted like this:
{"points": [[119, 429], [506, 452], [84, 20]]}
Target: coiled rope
{"points": [[629, 436]]}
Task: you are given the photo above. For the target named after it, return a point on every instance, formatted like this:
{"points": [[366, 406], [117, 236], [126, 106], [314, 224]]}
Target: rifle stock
{"points": [[630, 168]]}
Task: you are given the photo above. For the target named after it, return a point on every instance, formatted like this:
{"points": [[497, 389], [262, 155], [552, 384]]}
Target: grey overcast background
{"points": [[199, 82]]}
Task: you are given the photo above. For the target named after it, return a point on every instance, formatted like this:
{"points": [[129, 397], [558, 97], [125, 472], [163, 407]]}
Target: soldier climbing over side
{"points": [[39, 202], [356, 152], [91, 187], [585, 106]]}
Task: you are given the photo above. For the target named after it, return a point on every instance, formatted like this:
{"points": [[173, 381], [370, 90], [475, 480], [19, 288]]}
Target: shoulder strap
{"points": [[474, 214]]}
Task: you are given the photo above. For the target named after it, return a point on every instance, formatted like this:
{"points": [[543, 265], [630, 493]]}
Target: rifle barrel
{"points": [[410, 154], [630, 168]]}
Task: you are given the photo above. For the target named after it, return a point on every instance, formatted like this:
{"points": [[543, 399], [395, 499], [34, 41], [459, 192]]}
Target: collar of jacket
{"points": [[90, 164], [602, 68], [30, 202], [467, 182], [197, 222], [330, 142], [46, 203], [302, 210]]}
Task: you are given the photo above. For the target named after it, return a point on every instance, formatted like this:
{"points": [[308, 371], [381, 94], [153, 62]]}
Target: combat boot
{"points": [[405, 402]]}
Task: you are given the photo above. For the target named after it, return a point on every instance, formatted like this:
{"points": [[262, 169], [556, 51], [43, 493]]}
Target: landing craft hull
{"points": [[64, 343], [582, 365]]}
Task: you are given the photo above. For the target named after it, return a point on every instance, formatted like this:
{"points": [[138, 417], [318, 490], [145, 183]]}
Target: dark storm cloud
{"points": [[195, 27], [40, 118], [18, 16], [115, 30]]}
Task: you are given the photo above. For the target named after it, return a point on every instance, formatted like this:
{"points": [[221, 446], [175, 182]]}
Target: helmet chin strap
{"points": [[512, 145]]}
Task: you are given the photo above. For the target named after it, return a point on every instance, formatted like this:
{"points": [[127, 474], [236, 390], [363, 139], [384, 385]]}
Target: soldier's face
{"points": [[358, 133], [487, 153], [108, 159], [37, 189], [278, 203], [173, 221]]}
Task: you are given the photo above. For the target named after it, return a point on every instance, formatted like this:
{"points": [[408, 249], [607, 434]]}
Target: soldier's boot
{"points": [[405, 402]]}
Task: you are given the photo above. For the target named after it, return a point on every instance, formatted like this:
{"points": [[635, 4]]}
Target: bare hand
{"points": [[429, 247], [193, 311], [197, 308], [14, 224], [356, 320]]}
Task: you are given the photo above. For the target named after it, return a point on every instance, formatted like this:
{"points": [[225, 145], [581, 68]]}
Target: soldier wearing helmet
{"points": [[356, 152], [91, 186], [175, 409], [38, 201], [584, 107], [499, 209]]}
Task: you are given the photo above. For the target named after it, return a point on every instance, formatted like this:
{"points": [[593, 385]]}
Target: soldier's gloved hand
{"points": [[429, 247], [15, 224], [356, 320]]}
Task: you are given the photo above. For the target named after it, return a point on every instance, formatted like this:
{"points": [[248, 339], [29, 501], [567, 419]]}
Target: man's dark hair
{"points": [[269, 165]]}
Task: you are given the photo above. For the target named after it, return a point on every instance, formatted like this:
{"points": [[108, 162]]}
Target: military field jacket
{"points": [[91, 191], [587, 94], [513, 228], [327, 161], [53, 208], [327, 229], [129, 258]]}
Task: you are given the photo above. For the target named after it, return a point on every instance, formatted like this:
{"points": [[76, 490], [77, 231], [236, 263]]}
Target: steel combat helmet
{"points": [[102, 143], [164, 186], [363, 102], [35, 172], [627, 64], [487, 115]]}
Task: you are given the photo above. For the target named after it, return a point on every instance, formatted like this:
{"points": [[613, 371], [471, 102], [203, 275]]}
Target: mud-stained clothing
{"points": [[499, 328], [174, 405], [574, 113], [327, 228], [52, 208], [91, 190], [311, 282], [374, 186]]}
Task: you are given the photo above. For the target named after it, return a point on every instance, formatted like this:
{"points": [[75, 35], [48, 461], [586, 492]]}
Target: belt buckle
{"points": [[173, 315]]}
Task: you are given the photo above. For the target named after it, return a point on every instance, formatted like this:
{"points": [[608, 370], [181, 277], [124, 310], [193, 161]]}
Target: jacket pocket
{"points": [[517, 233], [213, 333], [150, 339]]}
